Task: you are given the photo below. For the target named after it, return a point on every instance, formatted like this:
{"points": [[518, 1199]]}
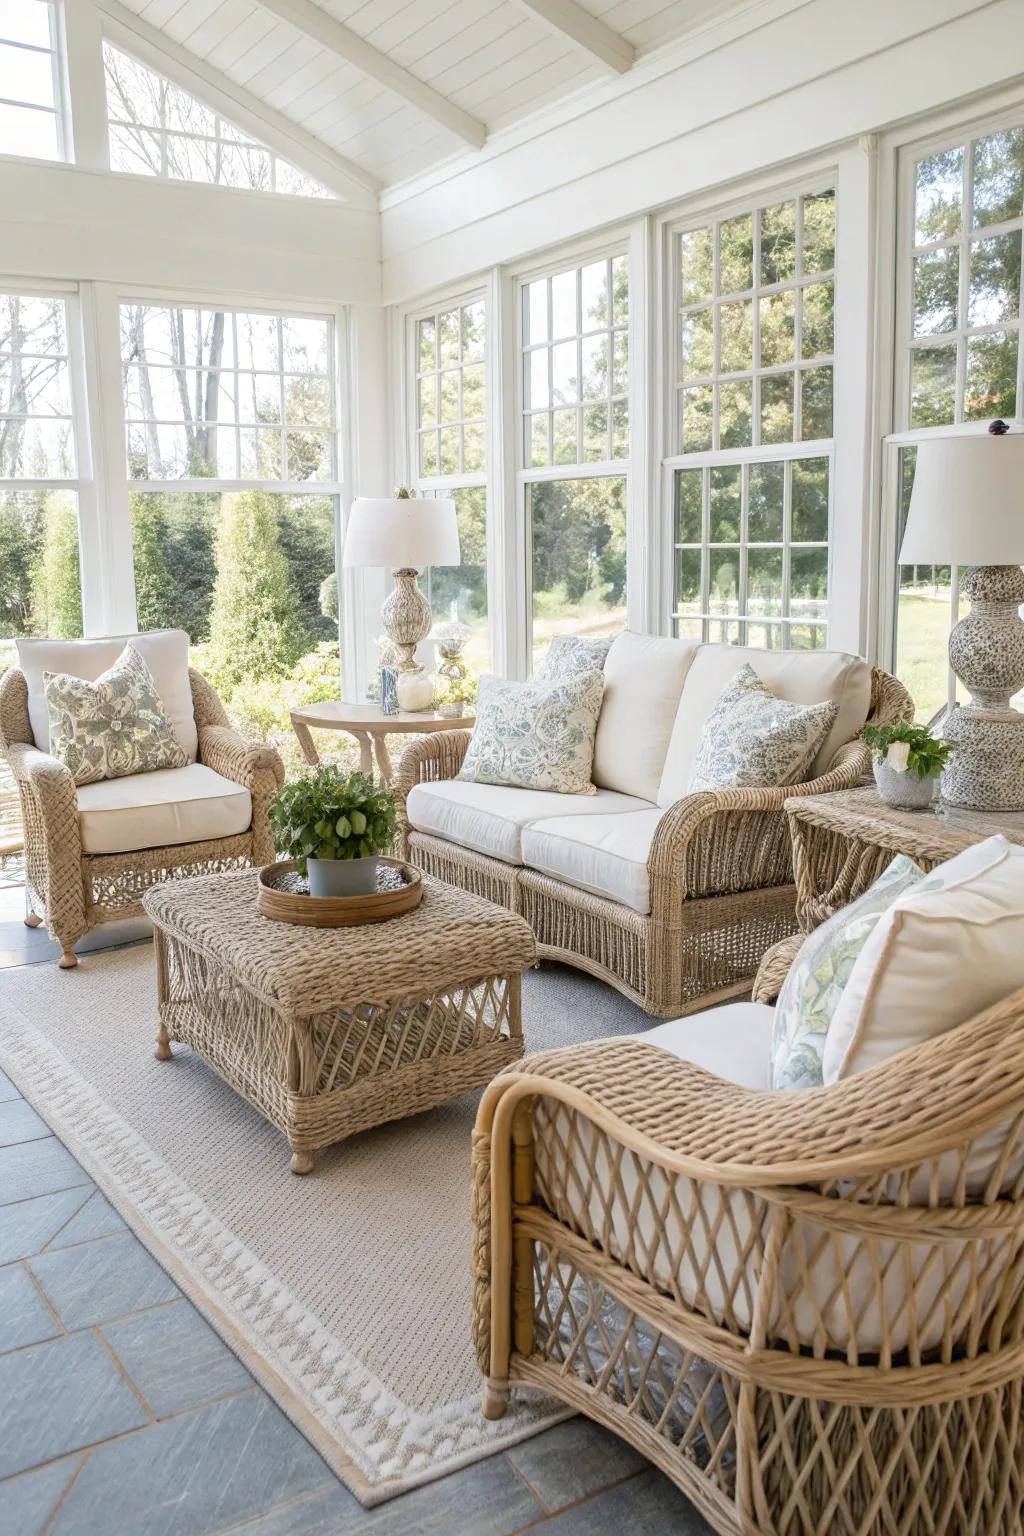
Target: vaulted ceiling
{"points": [[395, 87]]}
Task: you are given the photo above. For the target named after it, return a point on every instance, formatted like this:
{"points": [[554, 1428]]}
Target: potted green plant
{"points": [[453, 694], [334, 826], [907, 759]]}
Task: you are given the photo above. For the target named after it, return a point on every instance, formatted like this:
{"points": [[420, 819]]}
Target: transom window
{"points": [[30, 89], [157, 129], [968, 223], [227, 394], [576, 365], [756, 334]]}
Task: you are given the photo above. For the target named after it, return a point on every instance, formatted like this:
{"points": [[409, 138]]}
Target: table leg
{"points": [[365, 756], [309, 751], [302, 1162], [163, 1039], [384, 767]]}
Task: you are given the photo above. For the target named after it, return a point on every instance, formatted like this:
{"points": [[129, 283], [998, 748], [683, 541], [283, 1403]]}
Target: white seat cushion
{"points": [[489, 818], [161, 809], [643, 680], [165, 652], [802, 677], [733, 1042], [605, 854]]}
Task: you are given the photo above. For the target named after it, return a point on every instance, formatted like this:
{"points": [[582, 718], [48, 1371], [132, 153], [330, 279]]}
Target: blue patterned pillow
{"points": [[753, 740], [535, 735]]}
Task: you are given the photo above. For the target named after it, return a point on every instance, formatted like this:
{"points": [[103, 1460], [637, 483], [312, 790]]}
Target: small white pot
{"points": [[342, 877]]}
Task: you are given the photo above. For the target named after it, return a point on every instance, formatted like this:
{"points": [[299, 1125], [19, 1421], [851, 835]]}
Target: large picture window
{"points": [[959, 358], [158, 129], [30, 81], [575, 447], [230, 423], [752, 469], [451, 457]]}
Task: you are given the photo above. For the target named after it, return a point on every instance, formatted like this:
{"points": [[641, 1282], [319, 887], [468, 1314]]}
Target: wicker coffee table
{"points": [[329, 1031]]}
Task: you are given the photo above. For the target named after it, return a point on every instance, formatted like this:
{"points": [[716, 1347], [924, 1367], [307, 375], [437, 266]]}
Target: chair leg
{"points": [[32, 920], [495, 1399], [68, 959]]}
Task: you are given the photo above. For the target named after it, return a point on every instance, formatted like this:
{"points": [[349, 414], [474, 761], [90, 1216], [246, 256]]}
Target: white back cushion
{"points": [[802, 677], [165, 652], [643, 680], [948, 948]]}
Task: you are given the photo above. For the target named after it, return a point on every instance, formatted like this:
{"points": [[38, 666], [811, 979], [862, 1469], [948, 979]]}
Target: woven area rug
{"points": [[347, 1292]]}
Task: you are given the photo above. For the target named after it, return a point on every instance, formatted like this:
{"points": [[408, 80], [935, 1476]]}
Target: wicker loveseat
{"points": [[92, 851], [672, 898], [806, 1307]]}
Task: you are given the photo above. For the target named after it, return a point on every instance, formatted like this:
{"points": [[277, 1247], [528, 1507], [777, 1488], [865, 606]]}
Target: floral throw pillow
{"points": [[812, 991], [112, 727], [536, 735], [753, 740], [569, 655]]}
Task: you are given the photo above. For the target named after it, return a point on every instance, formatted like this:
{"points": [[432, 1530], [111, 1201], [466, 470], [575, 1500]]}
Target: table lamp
{"points": [[406, 533], [967, 508]]}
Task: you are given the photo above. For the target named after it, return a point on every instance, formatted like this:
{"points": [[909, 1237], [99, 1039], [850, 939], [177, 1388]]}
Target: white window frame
{"points": [[851, 172], [59, 110], [577, 254], [899, 153]]}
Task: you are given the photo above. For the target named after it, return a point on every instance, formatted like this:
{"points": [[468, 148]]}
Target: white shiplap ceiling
{"points": [[495, 61]]}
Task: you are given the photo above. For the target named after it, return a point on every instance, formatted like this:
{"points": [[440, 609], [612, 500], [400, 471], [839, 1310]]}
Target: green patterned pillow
{"points": [[811, 992], [569, 655], [112, 727], [536, 735]]}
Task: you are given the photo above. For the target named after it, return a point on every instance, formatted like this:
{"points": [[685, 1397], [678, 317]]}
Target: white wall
{"points": [[819, 74]]}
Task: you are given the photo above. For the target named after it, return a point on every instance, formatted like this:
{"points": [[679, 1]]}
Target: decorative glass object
{"points": [[453, 687]]}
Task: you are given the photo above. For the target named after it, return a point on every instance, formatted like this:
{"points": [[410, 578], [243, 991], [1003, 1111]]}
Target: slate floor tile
{"points": [[27, 1226], [572, 1460], [58, 1397], [24, 1316], [27, 1500], [175, 1358], [97, 1218], [98, 1281], [19, 1122], [648, 1505], [192, 1476], [331, 1512], [7, 1089], [37, 1168]]}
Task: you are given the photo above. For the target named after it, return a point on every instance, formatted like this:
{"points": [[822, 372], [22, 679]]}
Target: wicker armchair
{"points": [[721, 879], [806, 1308], [72, 890]]}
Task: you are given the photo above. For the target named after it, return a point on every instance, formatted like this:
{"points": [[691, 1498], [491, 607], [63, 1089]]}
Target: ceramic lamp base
{"points": [[406, 618], [986, 772]]}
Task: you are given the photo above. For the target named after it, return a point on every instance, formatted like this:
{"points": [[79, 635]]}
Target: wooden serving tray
{"points": [[335, 911]]}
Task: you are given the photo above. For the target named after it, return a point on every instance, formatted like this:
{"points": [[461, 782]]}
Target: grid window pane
{"points": [[756, 296], [761, 577], [961, 192], [576, 365], [30, 104], [158, 129], [40, 571], [578, 543], [37, 438]]}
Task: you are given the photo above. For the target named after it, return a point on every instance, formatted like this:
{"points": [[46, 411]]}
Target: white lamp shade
{"points": [[967, 505], [401, 532]]}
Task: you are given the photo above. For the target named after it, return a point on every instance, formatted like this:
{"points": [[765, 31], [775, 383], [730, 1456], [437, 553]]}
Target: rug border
{"points": [[263, 1371]]}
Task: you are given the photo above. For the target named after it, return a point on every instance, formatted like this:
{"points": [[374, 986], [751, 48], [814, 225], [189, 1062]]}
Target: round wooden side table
{"points": [[370, 727]]}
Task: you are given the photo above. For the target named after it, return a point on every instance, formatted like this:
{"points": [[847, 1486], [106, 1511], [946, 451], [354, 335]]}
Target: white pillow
{"points": [[535, 735], [947, 949], [643, 679], [813, 989], [753, 740]]}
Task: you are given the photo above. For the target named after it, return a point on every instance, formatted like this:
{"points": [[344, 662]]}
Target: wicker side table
{"points": [[843, 841], [328, 1031]]}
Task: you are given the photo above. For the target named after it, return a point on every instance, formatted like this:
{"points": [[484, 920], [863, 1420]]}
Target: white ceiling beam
{"points": [[599, 42], [352, 182], [353, 49]]}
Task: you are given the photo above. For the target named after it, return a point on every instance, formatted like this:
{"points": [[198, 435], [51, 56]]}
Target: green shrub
{"points": [[331, 815]]}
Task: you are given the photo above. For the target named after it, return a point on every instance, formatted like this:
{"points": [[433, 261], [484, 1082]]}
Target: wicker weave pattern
{"points": [[330, 1031], [674, 1255], [720, 874], [72, 891]]}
